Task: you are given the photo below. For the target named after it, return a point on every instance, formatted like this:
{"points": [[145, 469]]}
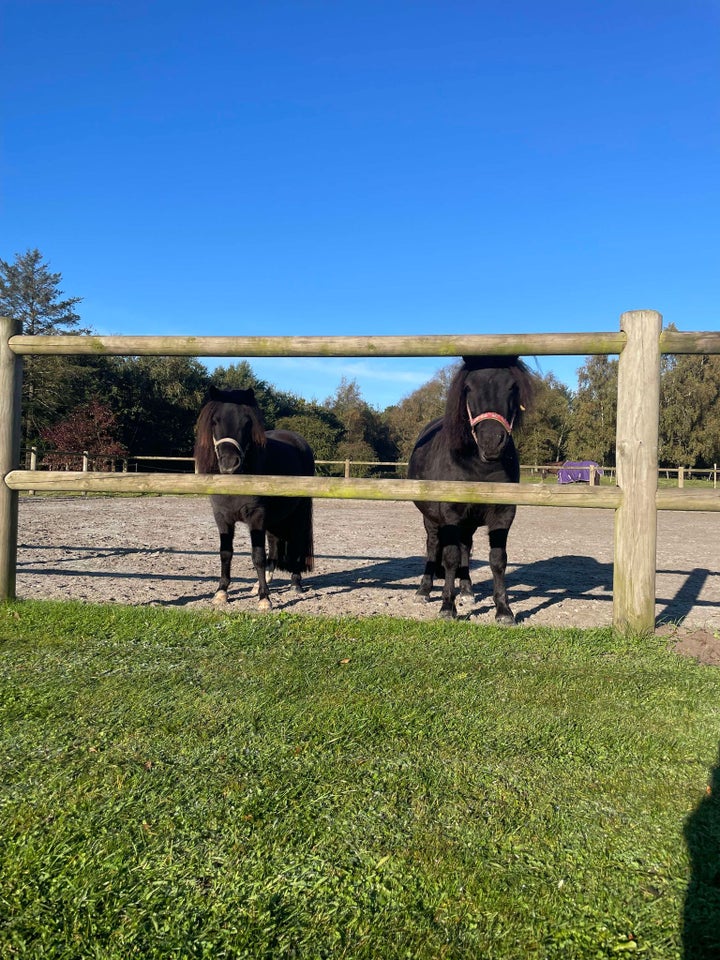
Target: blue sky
{"points": [[241, 168]]}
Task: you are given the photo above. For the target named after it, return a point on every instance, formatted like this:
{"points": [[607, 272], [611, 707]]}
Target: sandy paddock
{"points": [[163, 551]]}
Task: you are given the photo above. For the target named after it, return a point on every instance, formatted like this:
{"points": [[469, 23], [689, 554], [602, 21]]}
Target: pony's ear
{"points": [[214, 392], [250, 394]]}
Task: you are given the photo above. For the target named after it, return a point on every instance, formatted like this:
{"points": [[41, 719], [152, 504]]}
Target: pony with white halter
{"points": [[231, 438]]}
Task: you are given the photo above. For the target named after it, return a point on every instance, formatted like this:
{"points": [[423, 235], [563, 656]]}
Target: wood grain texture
{"points": [[552, 344], [338, 488], [636, 449]]}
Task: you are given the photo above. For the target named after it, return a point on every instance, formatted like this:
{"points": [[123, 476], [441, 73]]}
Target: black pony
{"points": [[472, 442], [231, 438]]}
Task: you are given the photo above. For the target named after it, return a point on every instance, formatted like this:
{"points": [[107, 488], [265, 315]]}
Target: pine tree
{"points": [[30, 294]]}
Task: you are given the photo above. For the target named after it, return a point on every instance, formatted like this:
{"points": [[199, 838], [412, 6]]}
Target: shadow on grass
{"points": [[701, 913]]}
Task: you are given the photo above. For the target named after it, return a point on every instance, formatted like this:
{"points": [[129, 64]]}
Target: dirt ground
{"points": [[163, 551]]}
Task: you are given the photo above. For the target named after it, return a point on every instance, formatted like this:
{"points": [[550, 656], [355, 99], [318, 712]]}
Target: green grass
{"points": [[185, 785]]}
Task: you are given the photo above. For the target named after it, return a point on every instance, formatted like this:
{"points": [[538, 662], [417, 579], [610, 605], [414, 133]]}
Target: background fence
{"points": [[104, 463], [635, 498]]}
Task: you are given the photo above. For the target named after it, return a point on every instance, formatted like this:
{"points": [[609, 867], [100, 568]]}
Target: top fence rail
{"points": [[528, 344]]}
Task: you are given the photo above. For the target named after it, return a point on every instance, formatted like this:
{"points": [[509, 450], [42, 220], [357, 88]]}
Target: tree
{"points": [[30, 294], [543, 437], [157, 401], [93, 428], [594, 412], [366, 435], [273, 403], [407, 418], [320, 428], [690, 411]]}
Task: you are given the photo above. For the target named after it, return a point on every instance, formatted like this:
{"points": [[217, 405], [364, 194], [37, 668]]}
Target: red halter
{"points": [[490, 415]]}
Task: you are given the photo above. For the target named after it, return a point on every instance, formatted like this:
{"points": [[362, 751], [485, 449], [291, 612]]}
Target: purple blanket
{"points": [[574, 471]]}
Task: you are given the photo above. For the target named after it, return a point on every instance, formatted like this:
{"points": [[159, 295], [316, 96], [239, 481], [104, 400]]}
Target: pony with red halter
{"points": [[472, 442]]}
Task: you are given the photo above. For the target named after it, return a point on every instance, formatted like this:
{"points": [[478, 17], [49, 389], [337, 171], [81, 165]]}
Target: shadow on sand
{"points": [[537, 586]]}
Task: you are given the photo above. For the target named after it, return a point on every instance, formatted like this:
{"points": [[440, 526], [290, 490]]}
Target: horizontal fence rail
{"points": [[635, 499], [340, 488], [325, 487], [529, 344], [525, 344]]}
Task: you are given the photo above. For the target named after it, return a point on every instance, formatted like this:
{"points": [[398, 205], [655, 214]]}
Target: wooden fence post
{"points": [[636, 451], [10, 405], [33, 466]]}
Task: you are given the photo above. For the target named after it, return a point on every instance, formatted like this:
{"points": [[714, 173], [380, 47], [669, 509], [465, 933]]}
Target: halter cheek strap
{"points": [[490, 415], [231, 440]]}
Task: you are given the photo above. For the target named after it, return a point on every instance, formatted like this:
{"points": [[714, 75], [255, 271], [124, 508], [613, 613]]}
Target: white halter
{"points": [[231, 440]]}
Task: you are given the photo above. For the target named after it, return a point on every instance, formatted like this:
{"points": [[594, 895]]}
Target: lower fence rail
{"points": [[339, 488]]}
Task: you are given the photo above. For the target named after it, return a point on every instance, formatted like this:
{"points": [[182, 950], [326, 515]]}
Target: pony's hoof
{"points": [[220, 598], [505, 620], [421, 597], [264, 605], [447, 613]]}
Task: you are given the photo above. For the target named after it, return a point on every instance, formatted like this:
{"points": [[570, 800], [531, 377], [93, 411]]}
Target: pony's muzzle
{"points": [[229, 455], [491, 439]]}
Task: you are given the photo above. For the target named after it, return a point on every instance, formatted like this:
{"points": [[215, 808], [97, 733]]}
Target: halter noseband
{"points": [[490, 415], [231, 440]]}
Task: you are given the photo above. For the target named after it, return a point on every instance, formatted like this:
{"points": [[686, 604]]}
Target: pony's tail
{"points": [[309, 545], [296, 553]]}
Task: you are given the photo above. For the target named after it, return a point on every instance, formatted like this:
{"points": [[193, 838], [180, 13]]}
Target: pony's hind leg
{"points": [[432, 562], [272, 557], [257, 543], [463, 572], [498, 563]]}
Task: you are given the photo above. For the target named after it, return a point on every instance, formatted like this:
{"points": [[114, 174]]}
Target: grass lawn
{"points": [[185, 785]]}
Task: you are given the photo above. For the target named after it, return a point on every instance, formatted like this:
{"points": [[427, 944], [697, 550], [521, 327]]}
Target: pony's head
{"points": [[485, 403], [230, 424]]}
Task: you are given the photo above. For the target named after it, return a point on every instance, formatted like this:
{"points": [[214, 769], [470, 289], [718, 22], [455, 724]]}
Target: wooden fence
{"points": [[635, 499], [546, 471]]}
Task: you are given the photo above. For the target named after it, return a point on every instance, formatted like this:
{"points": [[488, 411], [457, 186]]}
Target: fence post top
{"points": [[632, 320]]}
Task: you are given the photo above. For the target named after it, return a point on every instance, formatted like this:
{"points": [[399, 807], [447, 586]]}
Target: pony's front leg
{"points": [[451, 561], [270, 563], [431, 563], [259, 559], [498, 563], [226, 555]]}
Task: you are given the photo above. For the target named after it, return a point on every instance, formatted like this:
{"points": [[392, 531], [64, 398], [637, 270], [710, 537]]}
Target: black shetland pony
{"points": [[231, 438], [472, 442]]}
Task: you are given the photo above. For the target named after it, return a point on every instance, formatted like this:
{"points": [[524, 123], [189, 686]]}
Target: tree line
{"points": [[114, 407]]}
